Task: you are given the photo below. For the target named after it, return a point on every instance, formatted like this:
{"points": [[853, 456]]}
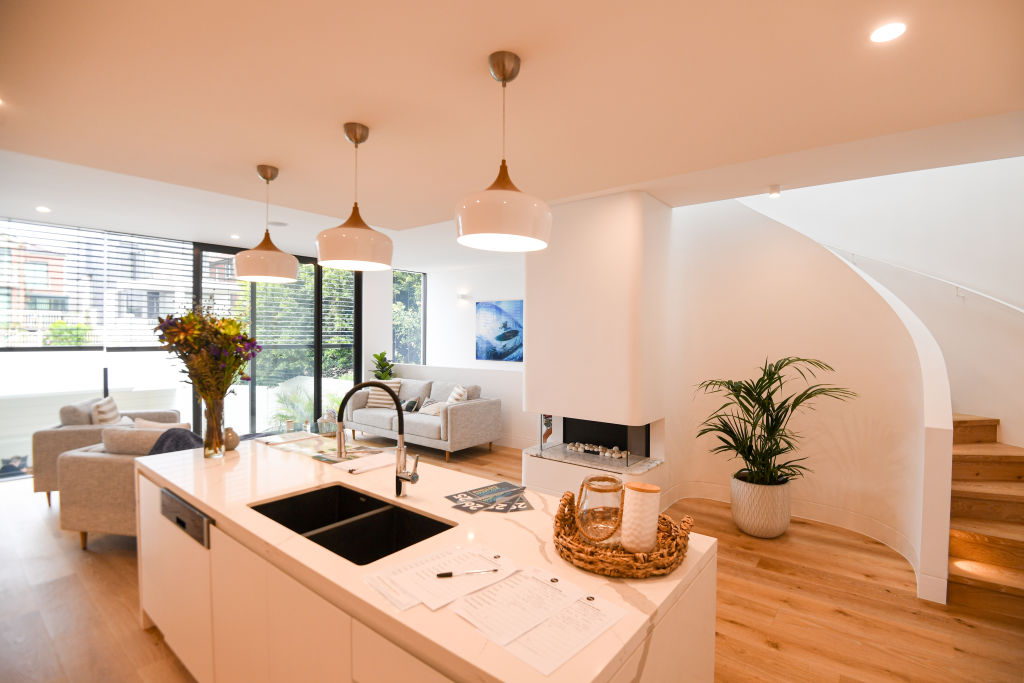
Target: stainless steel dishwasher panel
{"points": [[190, 520]]}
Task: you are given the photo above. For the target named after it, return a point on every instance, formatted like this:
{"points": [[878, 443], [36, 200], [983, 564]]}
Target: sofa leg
{"points": [[490, 445], [82, 535], [48, 503], [447, 456]]}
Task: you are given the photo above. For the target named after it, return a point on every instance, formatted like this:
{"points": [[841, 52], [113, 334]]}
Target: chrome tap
{"points": [[403, 477]]}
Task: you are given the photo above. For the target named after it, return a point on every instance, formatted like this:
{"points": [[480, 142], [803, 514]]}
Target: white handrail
{"points": [[851, 256]]}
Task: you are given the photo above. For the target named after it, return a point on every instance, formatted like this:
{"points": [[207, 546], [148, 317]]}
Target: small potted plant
{"points": [[753, 425], [383, 368]]}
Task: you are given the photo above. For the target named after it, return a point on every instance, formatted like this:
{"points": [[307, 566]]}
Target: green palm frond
{"points": [[753, 422]]}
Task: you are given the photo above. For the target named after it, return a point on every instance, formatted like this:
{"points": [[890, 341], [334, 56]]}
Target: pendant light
{"points": [[354, 245], [265, 262], [502, 218]]}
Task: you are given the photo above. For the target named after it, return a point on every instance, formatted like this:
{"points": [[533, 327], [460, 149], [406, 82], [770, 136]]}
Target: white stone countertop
{"points": [[224, 489]]}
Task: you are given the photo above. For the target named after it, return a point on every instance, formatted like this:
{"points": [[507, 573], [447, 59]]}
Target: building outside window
{"points": [[37, 275], [408, 317]]}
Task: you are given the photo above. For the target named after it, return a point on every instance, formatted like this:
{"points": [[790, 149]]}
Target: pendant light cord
{"points": [[503, 117], [266, 216], [355, 178]]}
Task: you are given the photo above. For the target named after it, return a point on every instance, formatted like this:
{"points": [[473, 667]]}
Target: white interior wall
{"points": [[378, 293], [744, 288], [980, 341], [451, 320], [593, 340], [959, 223]]}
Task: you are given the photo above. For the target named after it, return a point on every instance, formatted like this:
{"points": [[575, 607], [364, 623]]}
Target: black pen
{"points": [[448, 575]]}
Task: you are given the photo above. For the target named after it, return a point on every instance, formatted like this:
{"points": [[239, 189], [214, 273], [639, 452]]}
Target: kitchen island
{"points": [[254, 600]]}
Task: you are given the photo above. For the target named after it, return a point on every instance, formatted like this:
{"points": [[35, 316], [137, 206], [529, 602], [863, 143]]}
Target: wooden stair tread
{"points": [[989, 576], [974, 420], [993, 452], [1010, 533], [1012, 491]]}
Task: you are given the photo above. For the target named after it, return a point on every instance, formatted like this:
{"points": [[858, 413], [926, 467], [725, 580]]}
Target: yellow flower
{"points": [[229, 327]]}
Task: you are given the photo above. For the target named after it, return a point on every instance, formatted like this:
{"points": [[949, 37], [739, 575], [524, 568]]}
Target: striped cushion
{"points": [[459, 393], [105, 412], [379, 398]]}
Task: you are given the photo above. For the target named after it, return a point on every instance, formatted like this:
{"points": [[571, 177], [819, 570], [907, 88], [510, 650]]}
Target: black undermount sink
{"points": [[356, 526]]}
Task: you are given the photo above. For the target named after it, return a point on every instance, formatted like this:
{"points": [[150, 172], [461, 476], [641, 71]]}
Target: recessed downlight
{"points": [[236, 237], [43, 209], [887, 32]]}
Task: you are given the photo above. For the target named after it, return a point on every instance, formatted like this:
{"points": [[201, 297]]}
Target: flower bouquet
{"points": [[215, 353]]}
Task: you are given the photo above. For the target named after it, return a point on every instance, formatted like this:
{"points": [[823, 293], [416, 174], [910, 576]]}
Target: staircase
{"points": [[986, 527]]}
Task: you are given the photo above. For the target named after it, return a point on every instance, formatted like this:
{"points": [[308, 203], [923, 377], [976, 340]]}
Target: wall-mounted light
{"points": [[774, 191], [887, 32], [464, 296]]}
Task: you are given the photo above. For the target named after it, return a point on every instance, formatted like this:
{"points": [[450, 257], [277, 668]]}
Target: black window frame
{"points": [[318, 346]]}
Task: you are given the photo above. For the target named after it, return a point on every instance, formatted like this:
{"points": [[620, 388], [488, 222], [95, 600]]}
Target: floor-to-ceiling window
{"points": [[308, 333], [408, 317], [77, 312]]}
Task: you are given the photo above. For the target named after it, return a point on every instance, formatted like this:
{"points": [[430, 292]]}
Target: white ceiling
{"points": [[678, 97], [963, 224]]}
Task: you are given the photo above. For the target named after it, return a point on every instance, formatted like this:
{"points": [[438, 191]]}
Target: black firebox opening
{"points": [[635, 439]]}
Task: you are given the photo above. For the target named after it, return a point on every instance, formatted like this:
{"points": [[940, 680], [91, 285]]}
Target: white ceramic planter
{"points": [[760, 510]]}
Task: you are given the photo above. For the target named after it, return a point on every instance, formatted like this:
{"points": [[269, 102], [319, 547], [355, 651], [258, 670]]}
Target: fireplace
{"points": [[635, 440], [571, 449]]}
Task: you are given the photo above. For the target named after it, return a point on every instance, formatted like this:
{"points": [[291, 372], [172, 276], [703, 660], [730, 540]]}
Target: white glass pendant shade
{"points": [[501, 218], [354, 245], [266, 263]]}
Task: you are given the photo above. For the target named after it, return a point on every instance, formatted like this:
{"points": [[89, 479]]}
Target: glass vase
{"points": [[213, 441]]}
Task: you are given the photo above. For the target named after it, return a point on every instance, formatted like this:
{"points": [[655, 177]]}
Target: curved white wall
{"points": [[743, 288], [981, 341]]}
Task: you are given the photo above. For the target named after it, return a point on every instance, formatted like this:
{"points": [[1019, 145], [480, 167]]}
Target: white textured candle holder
{"points": [[640, 508]]}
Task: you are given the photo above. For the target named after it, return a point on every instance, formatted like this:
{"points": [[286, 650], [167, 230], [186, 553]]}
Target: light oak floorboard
{"points": [[818, 604]]}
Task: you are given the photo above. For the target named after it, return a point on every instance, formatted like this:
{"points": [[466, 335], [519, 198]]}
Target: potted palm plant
{"points": [[753, 425]]}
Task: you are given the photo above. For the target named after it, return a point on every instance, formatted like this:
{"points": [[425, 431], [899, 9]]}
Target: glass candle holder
{"points": [[599, 509]]}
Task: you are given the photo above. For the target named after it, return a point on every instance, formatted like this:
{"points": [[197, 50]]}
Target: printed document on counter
{"points": [[558, 639], [417, 581], [510, 608]]}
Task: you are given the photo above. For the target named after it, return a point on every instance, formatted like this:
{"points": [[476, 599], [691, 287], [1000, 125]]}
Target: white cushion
{"points": [[459, 394], [379, 398], [105, 412], [432, 408]]}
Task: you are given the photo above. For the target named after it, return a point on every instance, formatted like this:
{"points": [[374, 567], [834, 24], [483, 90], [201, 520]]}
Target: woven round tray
{"points": [[668, 554]]}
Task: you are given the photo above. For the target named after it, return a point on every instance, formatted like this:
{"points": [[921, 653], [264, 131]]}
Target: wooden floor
{"points": [[818, 604]]}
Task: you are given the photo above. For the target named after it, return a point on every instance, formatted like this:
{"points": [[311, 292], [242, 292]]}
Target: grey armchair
{"points": [[97, 482], [76, 430]]}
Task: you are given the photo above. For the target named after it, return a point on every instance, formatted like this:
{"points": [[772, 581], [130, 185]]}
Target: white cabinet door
{"points": [[174, 584], [310, 639], [240, 623], [376, 659]]}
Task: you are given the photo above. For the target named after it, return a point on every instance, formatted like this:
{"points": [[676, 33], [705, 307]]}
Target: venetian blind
{"points": [[77, 287]]}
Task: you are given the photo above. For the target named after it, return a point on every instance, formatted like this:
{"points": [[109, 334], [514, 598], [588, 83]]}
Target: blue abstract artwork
{"points": [[499, 330]]}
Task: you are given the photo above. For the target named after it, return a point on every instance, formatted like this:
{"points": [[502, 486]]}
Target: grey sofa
{"points": [[75, 430], [97, 482], [460, 425]]}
